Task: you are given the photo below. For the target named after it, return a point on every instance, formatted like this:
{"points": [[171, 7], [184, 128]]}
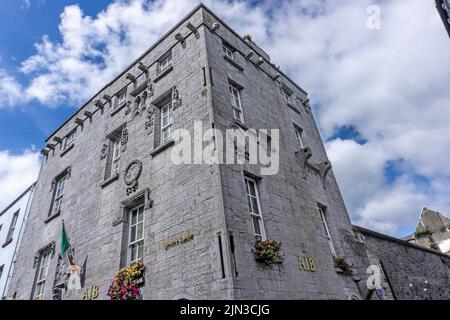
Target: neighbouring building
{"points": [[432, 231], [443, 7], [109, 172], [12, 223]]}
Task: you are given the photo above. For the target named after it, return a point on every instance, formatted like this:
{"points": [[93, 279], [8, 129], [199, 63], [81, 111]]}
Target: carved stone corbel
{"points": [[303, 155], [323, 167]]}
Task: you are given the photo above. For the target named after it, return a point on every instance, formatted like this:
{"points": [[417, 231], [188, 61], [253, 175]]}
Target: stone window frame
{"points": [[118, 105], [255, 181], [287, 94], [115, 135], [68, 141], [162, 64], [139, 199], [160, 102], [11, 229], [46, 251], [299, 135], [233, 85], [323, 214], [56, 183], [228, 49]]}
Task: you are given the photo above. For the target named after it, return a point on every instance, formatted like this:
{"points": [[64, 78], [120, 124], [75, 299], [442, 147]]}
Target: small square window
{"points": [[286, 95], [165, 63], [69, 139], [228, 50], [121, 99]]}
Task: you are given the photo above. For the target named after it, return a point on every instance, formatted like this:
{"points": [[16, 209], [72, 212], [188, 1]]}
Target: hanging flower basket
{"points": [[267, 251], [127, 282]]}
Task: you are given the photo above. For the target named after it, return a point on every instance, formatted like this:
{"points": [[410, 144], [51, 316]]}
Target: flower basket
{"points": [[267, 251], [127, 282], [342, 264]]}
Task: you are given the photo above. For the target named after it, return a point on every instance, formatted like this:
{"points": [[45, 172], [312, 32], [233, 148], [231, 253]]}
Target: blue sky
{"points": [[380, 96]]}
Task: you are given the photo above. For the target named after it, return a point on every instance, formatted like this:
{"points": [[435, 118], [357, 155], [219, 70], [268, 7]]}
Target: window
{"points": [[166, 122], [298, 134], [235, 96], [116, 152], [1, 271], [58, 195], [251, 189], [121, 99], [228, 50], [41, 276], [12, 227], [70, 138], [136, 242], [286, 95], [325, 228], [165, 63]]}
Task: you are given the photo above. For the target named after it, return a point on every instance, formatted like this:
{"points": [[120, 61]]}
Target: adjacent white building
{"points": [[12, 223]]}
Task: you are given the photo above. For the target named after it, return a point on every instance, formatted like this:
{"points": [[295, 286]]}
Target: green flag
{"points": [[65, 245]]}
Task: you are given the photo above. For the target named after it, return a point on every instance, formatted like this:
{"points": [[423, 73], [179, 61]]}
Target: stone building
{"points": [[108, 171], [432, 231], [12, 224]]}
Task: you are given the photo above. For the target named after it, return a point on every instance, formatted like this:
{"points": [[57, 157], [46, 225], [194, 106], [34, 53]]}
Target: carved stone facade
{"points": [[207, 201]]}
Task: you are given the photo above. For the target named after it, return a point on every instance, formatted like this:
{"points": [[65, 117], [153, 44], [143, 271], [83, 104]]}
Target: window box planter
{"points": [[267, 252], [342, 266]]}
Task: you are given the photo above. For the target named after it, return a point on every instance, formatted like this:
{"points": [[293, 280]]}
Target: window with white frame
{"points": [[299, 135], [235, 95], [254, 207], [12, 226], [166, 122], [286, 95], [69, 139], [228, 50], [41, 276], [323, 217], [58, 194], [136, 238], [165, 63], [116, 152]]}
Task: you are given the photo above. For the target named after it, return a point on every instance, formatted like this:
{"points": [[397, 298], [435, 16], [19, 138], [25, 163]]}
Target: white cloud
{"points": [[17, 172], [390, 84]]}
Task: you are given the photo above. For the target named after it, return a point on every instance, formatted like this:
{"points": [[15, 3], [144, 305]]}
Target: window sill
{"points": [[67, 150], [117, 110], [233, 63], [162, 147], [109, 180], [240, 124], [7, 242], [295, 109], [163, 74], [53, 216]]}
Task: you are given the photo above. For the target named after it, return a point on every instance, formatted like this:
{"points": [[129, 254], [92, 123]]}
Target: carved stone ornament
{"points": [[148, 202], [149, 119], [104, 151], [132, 174], [49, 248], [52, 185], [176, 100], [150, 91], [124, 138]]}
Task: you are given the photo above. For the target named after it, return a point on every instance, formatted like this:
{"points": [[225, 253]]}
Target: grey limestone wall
{"points": [[412, 272]]}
